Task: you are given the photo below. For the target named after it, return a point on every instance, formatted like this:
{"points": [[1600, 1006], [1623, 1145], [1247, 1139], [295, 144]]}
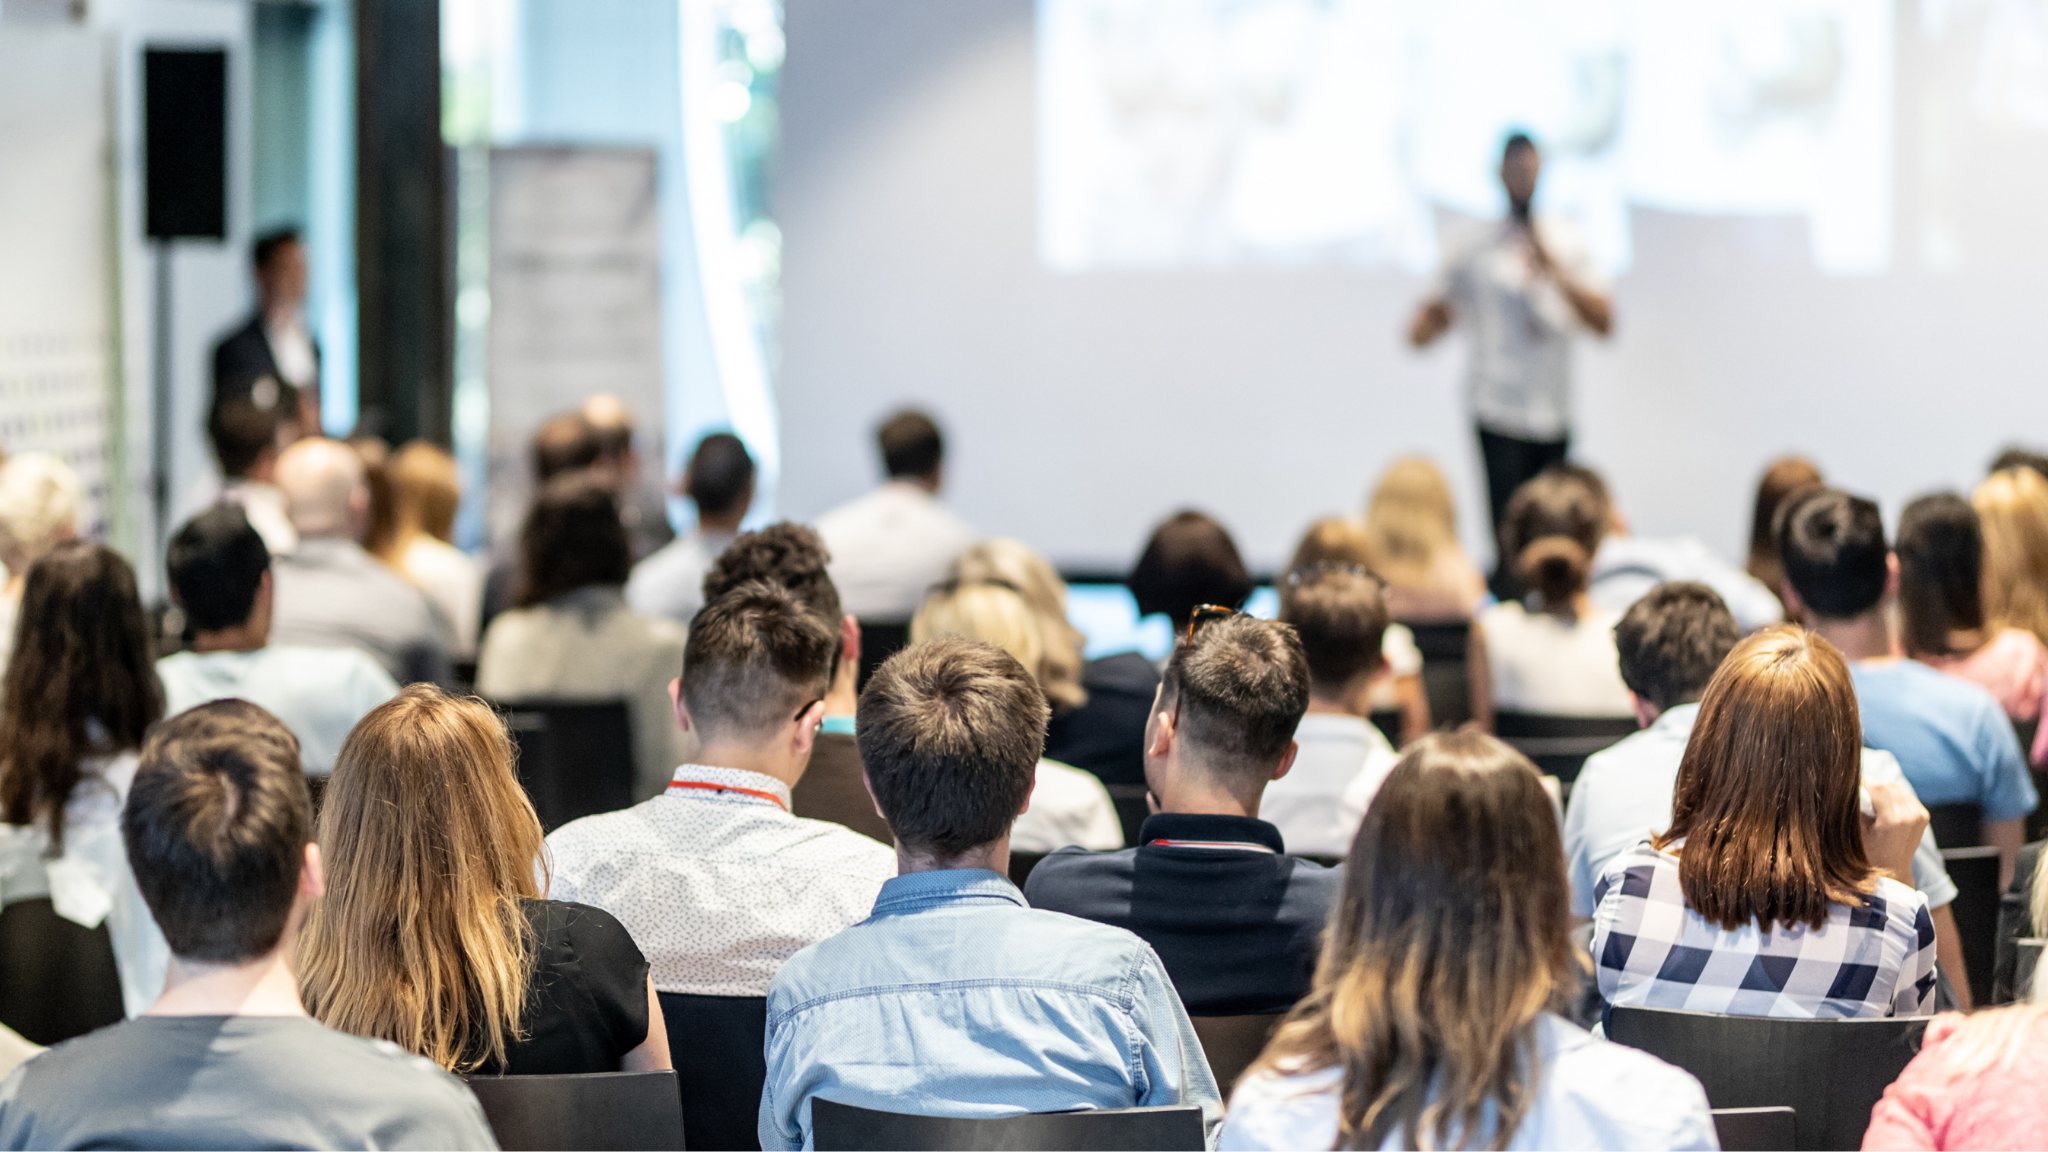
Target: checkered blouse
{"points": [[1874, 958]]}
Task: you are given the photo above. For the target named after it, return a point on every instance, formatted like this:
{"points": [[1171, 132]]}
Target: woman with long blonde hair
{"points": [[426, 491], [434, 934], [2013, 506], [1411, 522], [1435, 1020], [1068, 806]]}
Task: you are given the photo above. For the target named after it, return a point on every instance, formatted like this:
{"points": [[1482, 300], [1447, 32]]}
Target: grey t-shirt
{"points": [[177, 1082]]}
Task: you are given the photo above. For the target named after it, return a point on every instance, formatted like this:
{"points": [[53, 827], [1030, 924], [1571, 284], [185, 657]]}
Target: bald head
{"points": [[324, 488]]}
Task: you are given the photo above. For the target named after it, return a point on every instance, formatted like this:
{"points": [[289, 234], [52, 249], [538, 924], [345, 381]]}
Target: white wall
{"points": [[1083, 409]]}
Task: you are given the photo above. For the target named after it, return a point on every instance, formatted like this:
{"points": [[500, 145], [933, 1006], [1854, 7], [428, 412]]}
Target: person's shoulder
{"points": [[1284, 1109], [592, 836], [1122, 672], [1901, 902], [840, 845], [1064, 872], [1625, 1083]]}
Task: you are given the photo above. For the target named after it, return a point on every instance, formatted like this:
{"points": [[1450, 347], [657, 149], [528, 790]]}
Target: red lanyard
{"points": [[706, 786]]}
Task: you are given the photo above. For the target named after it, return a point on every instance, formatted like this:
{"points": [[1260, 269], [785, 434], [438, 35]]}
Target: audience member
{"points": [[2022, 915], [331, 593], [1068, 806], [1787, 476], [1189, 561], [643, 508], [790, 557], [39, 499], [2019, 457], [954, 997], [564, 443], [890, 545], [75, 704], [272, 360], [1341, 756], [219, 827], [719, 480], [1941, 610], [245, 443], [380, 532], [426, 491], [572, 637], [1411, 524], [1210, 887], [1554, 655], [1765, 897], [15, 1051], [2013, 506], [1335, 540], [1974, 1084], [433, 933], [220, 577], [1950, 736], [1671, 643], [1627, 566], [1405, 1041], [715, 879]]}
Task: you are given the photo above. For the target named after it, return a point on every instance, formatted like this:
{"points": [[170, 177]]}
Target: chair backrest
{"points": [[57, 978], [1975, 872], [575, 756], [1831, 1072], [1956, 825], [839, 1127], [715, 1044], [592, 1112], [1559, 745], [1388, 721], [1131, 808], [1232, 1042], [1444, 648], [1021, 864], [879, 640], [1754, 1129], [2023, 971]]}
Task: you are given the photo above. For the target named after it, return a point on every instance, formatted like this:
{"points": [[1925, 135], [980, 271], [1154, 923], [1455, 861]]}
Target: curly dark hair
{"points": [[82, 682], [790, 556]]}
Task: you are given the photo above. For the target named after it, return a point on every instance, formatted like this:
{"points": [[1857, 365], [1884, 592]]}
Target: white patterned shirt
{"points": [[1873, 958], [715, 880]]}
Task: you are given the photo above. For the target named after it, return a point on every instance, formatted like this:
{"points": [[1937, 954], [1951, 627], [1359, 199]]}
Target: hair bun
{"points": [[1555, 567]]}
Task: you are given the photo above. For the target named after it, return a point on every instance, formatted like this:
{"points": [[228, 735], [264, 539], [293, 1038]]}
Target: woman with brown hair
{"points": [[1783, 885], [1787, 476], [434, 934], [77, 700], [1552, 654], [426, 490], [1406, 1040]]}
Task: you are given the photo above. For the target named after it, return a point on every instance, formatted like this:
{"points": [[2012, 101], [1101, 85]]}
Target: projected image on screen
{"points": [[1211, 133]]}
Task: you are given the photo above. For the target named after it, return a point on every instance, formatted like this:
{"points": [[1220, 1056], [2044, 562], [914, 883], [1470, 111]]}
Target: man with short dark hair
{"points": [[790, 556], [1210, 886], [219, 832], [1340, 616], [643, 508], [1951, 736], [719, 479], [893, 543], [220, 578], [955, 997], [1670, 644], [245, 443], [715, 878], [272, 360]]}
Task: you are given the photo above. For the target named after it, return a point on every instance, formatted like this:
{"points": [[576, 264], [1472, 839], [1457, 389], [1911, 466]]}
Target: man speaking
{"points": [[1522, 289]]}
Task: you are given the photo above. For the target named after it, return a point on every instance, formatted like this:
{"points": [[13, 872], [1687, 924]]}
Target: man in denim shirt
{"points": [[956, 998]]}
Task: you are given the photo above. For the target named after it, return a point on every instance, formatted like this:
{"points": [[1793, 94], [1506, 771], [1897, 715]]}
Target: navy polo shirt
{"points": [[1237, 921]]}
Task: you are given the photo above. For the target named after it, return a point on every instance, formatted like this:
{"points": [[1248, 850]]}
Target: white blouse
{"points": [[1553, 666]]}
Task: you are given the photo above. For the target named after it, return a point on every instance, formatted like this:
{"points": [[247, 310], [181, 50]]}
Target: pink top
{"points": [[2014, 669], [1997, 1108]]}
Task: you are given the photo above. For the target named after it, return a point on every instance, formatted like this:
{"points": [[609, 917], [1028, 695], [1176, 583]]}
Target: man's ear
{"points": [[1287, 761], [806, 734], [1159, 738], [869, 785], [312, 876], [675, 697], [849, 639], [1891, 576], [1795, 608]]}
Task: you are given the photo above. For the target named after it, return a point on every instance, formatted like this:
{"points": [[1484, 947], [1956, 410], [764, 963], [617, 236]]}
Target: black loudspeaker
{"points": [[185, 132]]}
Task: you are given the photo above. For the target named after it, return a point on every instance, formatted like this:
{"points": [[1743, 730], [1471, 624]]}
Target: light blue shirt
{"points": [[1623, 797], [319, 693], [956, 998], [1626, 567], [1950, 736]]}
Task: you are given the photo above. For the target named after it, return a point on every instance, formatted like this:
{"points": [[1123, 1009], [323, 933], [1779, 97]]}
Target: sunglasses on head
{"points": [[1203, 614]]}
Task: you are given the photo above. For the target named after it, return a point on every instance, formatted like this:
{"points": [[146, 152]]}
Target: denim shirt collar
{"points": [[921, 890]]}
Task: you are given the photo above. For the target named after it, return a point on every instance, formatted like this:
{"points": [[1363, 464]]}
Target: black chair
{"points": [[1131, 809], [2028, 959], [879, 640], [1444, 648], [1388, 721], [1559, 745], [1956, 825], [592, 1112], [575, 757], [1232, 1042], [1975, 871], [57, 978], [1754, 1129], [1830, 1072], [715, 1044], [839, 1127], [1021, 864]]}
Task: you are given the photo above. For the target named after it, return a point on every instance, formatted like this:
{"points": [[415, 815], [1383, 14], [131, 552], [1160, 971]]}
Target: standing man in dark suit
{"points": [[273, 360]]}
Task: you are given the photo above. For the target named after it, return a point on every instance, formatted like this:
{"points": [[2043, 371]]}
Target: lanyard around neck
{"points": [[707, 786]]}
